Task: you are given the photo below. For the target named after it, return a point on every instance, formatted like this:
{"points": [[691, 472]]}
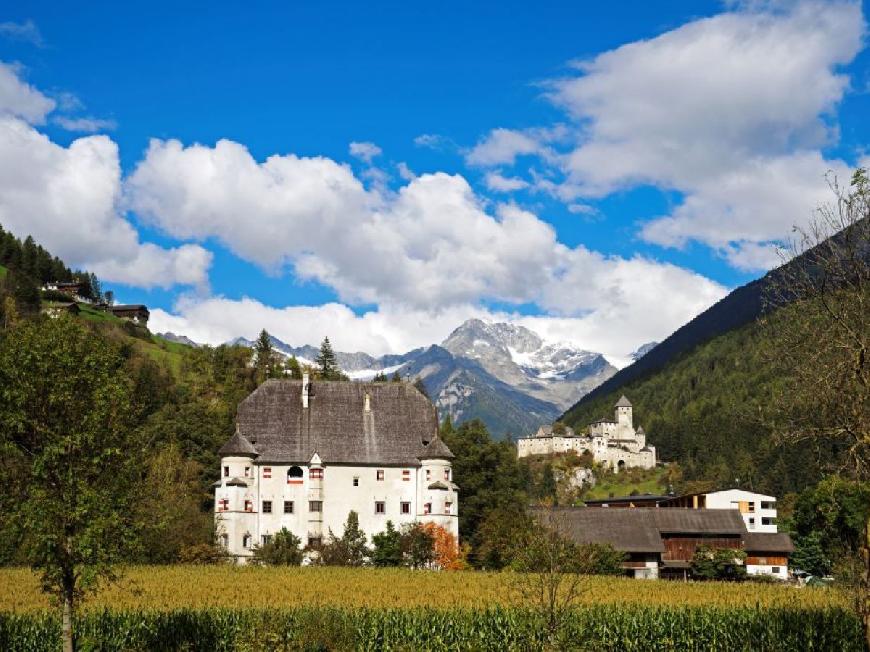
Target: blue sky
{"points": [[600, 173]]}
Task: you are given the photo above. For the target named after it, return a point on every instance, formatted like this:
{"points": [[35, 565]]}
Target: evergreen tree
{"points": [[348, 550], [327, 363], [264, 357], [293, 369], [380, 377], [387, 547], [396, 378]]}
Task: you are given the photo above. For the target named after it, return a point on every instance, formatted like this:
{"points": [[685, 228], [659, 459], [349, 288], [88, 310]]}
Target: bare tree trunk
{"points": [[67, 626]]}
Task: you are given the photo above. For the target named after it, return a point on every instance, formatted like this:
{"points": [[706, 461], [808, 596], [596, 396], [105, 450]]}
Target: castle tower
{"points": [[623, 414]]}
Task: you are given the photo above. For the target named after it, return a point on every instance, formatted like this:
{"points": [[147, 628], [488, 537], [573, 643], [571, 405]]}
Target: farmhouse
{"points": [[137, 313], [615, 444], [307, 453], [660, 543]]}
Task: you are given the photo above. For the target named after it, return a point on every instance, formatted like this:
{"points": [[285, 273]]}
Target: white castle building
{"points": [[307, 453], [615, 444]]}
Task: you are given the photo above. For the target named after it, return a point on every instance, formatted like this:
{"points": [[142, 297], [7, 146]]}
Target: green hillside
{"points": [[704, 410]]}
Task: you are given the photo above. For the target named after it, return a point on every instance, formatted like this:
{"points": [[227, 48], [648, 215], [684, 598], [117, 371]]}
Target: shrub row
{"points": [[322, 628]]}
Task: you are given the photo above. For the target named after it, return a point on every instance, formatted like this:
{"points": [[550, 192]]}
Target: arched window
{"points": [[225, 540], [246, 541], [620, 465], [294, 475]]}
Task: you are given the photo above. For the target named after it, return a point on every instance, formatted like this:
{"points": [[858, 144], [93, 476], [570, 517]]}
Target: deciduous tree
{"points": [[66, 427]]}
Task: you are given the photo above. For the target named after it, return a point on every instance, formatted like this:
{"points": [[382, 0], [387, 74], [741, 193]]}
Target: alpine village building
{"points": [[306, 453]]}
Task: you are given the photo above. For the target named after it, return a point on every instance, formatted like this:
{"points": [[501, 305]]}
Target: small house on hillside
{"points": [[70, 288], [137, 313]]}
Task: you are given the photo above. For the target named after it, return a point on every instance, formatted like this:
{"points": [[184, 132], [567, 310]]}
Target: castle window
{"points": [[751, 506], [266, 538], [406, 475], [288, 506], [267, 506], [380, 507], [447, 474], [406, 508], [294, 475], [247, 471], [315, 474], [314, 542], [226, 471], [224, 504], [379, 474], [448, 507], [225, 540], [428, 475], [356, 481], [267, 472], [246, 541], [751, 523], [249, 506], [427, 508], [315, 505]]}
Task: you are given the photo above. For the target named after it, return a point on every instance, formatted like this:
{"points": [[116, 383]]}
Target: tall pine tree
{"points": [[327, 362]]}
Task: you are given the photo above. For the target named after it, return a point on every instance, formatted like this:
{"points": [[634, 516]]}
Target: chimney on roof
{"points": [[305, 390], [368, 402]]}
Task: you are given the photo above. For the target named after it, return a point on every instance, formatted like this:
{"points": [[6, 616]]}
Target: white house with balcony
{"points": [[305, 454], [758, 510]]}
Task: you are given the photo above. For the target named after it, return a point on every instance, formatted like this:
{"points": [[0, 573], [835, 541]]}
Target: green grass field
{"points": [[653, 481]]}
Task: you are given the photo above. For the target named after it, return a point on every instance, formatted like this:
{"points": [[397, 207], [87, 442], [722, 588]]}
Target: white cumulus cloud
{"points": [[67, 199], [731, 111]]}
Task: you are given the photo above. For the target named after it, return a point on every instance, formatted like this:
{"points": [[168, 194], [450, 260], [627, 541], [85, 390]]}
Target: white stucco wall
{"points": [[756, 518], [338, 495]]}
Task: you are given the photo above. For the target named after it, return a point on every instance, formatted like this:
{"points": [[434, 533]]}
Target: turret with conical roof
{"points": [[238, 446]]}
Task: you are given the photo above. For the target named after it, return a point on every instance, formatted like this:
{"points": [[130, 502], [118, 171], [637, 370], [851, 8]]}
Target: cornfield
{"points": [[605, 628], [252, 609], [191, 587]]}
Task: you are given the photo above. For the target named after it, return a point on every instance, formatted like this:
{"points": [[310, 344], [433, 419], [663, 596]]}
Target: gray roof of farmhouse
{"points": [[623, 402], [639, 529], [768, 542], [335, 424], [237, 445]]}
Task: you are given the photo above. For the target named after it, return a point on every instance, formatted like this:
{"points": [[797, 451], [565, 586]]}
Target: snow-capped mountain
{"points": [[642, 350], [506, 375]]}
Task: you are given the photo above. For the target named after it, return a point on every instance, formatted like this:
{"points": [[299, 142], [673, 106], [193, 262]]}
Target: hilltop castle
{"points": [[615, 444]]}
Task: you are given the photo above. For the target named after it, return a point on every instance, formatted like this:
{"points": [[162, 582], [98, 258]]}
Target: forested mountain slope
{"points": [[705, 410]]}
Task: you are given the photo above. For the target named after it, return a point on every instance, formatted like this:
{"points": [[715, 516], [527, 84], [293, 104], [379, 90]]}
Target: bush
{"points": [[281, 550], [203, 553]]}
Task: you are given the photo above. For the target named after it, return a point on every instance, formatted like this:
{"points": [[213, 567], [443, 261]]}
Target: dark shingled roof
{"points": [[640, 530], [435, 450], [237, 445], [623, 402], [335, 425], [768, 542]]}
